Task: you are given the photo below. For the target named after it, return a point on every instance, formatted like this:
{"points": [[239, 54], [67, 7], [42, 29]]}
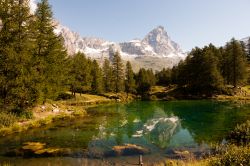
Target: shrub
{"points": [[232, 155], [7, 119], [22, 113], [64, 96], [241, 134]]}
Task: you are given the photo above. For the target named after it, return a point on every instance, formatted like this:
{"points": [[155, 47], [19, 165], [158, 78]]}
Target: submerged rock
{"points": [[128, 150], [186, 153], [33, 146], [179, 154], [38, 149]]}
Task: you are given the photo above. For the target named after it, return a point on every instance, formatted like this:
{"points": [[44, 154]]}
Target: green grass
{"points": [[7, 119], [192, 162], [231, 155], [75, 107], [84, 100]]}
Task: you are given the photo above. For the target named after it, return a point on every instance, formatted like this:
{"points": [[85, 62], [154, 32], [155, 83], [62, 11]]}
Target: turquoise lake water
{"points": [[157, 126]]}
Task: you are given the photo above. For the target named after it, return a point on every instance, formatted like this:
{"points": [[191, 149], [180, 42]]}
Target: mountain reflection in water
{"points": [[155, 127]]}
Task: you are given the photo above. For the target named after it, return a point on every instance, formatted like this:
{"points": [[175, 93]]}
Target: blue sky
{"points": [[188, 22]]}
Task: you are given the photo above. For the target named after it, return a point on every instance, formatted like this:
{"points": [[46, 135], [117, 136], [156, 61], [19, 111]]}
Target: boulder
{"points": [[128, 150]]}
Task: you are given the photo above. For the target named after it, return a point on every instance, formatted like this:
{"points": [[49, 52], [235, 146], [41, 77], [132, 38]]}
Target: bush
{"points": [[241, 134], [7, 119], [64, 96], [232, 155], [22, 113]]}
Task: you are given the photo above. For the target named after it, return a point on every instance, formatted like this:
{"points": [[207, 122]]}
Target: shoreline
{"points": [[171, 93], [54, 110]]}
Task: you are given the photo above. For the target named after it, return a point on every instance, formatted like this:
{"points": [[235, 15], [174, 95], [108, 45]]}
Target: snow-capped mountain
{"points": [[155, 51], [245, 40]]}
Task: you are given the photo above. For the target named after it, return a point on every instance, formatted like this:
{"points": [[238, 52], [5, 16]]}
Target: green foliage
{"points": [[234, 63], [80, 77], [241, 134], [22, 113], [145, 80], [202, 64], [130, 86], [16, 82], [96, 72], [117, 73], [7, 119], [206, 70], [32, 57], [232, 155], [107, 76], [64, 96], [49, 55], [237, 151], [164, 77]]}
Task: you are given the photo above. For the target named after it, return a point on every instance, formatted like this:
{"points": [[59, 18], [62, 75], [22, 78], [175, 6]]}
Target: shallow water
{"points": [[160, 127]]}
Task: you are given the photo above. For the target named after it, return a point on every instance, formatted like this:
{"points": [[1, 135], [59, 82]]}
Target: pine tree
{"points": [[97, 87], [235, 63], [49, 54], [118, 73], [248, 48], [130, 86], [16, 84], [211, 78], [145, 80], [107, 76], [164, 77], [203, 64], [80, 74]]}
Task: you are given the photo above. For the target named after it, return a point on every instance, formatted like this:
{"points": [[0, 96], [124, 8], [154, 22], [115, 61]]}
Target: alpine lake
{"points": [[117, 134]]}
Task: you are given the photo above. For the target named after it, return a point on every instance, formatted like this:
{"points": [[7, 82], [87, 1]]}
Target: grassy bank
{"points": [[225, 156], [240, 94], [41, 115], [172, 92]]}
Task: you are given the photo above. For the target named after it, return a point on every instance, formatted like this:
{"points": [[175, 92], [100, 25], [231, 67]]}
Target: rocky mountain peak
{"points": [[156, 35], [159, 31], [155, 51], [161, 42]]}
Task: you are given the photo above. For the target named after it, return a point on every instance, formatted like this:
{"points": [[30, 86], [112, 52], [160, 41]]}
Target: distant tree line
{"points": [[209, 70], [87, 76]]}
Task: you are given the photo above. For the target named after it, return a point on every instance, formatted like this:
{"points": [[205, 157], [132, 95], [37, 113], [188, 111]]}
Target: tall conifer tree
{"points": [[49, 55], [97, 87], [235, 63], [130, 86], [80, 74], [118, 73], [107, 76], [16, 85]]}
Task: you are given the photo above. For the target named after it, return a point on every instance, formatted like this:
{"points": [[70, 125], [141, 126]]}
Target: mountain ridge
{"points": [[156, 50]]}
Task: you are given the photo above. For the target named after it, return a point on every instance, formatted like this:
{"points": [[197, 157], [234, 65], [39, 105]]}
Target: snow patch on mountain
{"points": [[246, 39], [155, 51]]}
